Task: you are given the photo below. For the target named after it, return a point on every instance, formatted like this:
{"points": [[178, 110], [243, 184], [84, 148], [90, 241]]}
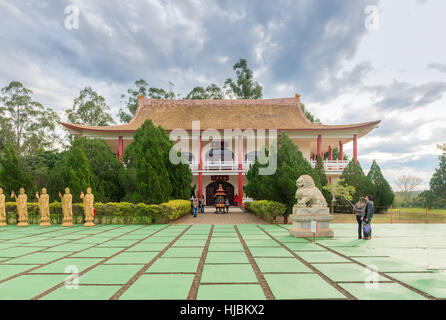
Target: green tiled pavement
{"points": [[82, 293], [230, 292], [382, 291], [174, 265], [301, 286], [412, 254], [160, 287], [228, 273], [281, 265], [28, 286]]}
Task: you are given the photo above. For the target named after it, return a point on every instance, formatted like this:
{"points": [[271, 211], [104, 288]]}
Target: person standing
{"points": [[359, 214], [192, 204], [369, 211], [195, 207], [236, 200], [227, 205], [202, 204]]}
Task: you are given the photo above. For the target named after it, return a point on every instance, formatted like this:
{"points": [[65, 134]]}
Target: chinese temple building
{"points": [[224, 160]]}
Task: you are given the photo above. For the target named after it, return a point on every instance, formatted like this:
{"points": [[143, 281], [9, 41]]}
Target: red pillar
{"points": [[355, 148], [200, 167], [313, 157], [341, 150], [319, 145], [330, 153], [240, 167], [121, 149]]}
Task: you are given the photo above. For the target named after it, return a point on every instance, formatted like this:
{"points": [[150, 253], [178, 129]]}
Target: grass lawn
{"points": [[399, 215]]}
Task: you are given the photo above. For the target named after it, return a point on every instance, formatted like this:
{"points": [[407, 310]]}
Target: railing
{"points": [[332, 166], [219, 165]]}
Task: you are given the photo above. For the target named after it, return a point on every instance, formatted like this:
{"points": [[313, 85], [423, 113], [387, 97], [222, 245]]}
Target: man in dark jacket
{"points": [[369, 210]]}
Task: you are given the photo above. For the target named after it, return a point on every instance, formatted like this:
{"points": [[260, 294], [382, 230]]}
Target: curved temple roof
{"points": [[281, 114]]}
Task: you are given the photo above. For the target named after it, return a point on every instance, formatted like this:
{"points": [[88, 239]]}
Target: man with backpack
{"points": [[369, 211]]}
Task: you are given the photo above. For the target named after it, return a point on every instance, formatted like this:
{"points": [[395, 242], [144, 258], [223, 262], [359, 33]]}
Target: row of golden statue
{"points": [[44, 207]]}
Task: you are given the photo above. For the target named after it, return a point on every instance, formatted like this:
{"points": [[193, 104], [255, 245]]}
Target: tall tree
{"points": [[150, 177], [281, 185], [384, 194], [211, 92], [335, 154], [320, 171], [244, 87], [407, 184], [105, 168], [438, 182], [88, 163], [26, 123], [131, 100], [72, 171], [90, 108], [354, 176], [309, 115], [12, 177]]}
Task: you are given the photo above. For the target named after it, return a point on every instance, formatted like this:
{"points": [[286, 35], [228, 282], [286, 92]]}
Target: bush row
{"points": [[108, 213], [266, 209]]}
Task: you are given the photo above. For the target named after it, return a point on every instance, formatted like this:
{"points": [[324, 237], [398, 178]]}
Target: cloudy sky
{"points": [[351, 60]]}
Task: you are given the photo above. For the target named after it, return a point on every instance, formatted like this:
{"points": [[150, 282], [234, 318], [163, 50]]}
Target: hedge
{"points": [[266, 209], [108, 213]]}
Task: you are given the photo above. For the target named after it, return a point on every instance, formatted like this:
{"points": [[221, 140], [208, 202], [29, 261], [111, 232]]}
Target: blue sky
{"points": [[346, 72]]}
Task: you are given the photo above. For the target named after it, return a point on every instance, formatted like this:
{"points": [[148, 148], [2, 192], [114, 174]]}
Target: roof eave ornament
{"points": [[297, 96]]}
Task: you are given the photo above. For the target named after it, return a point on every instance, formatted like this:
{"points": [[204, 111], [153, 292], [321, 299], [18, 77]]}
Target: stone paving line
{"points": [[265, 286], [310, 266], [100, 262], [146, 266], [52, 261], [197, 279], [392, 280], [204, 237]]}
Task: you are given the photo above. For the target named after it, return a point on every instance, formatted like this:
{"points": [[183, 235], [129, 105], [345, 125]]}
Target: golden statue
{"points": [[44, 206], [2, 209], [67, 208], [22, 208], [88, 208]]}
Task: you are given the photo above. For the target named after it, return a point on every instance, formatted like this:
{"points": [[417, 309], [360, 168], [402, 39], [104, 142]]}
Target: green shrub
{"points": [[108, 213], [266, 209]]}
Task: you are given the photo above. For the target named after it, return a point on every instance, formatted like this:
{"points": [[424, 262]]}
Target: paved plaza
{"points": [[203, 261]]}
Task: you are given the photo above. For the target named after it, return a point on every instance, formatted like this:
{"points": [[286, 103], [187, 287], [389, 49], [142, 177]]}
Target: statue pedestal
{"points": [[89, 224], [302, 218], [45, 224], [23, 224], [67, 223]]}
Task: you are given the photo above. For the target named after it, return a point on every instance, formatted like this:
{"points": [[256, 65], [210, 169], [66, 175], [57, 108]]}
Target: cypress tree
{"points": [[281, 186], [72, 171], [104, 167], [320, 171], [353, 175], [384, 194], [150, 176], [12, 176], [438, 184]]}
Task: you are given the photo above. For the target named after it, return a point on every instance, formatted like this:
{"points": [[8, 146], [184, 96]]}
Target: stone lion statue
{"points": [[308, 193]]}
